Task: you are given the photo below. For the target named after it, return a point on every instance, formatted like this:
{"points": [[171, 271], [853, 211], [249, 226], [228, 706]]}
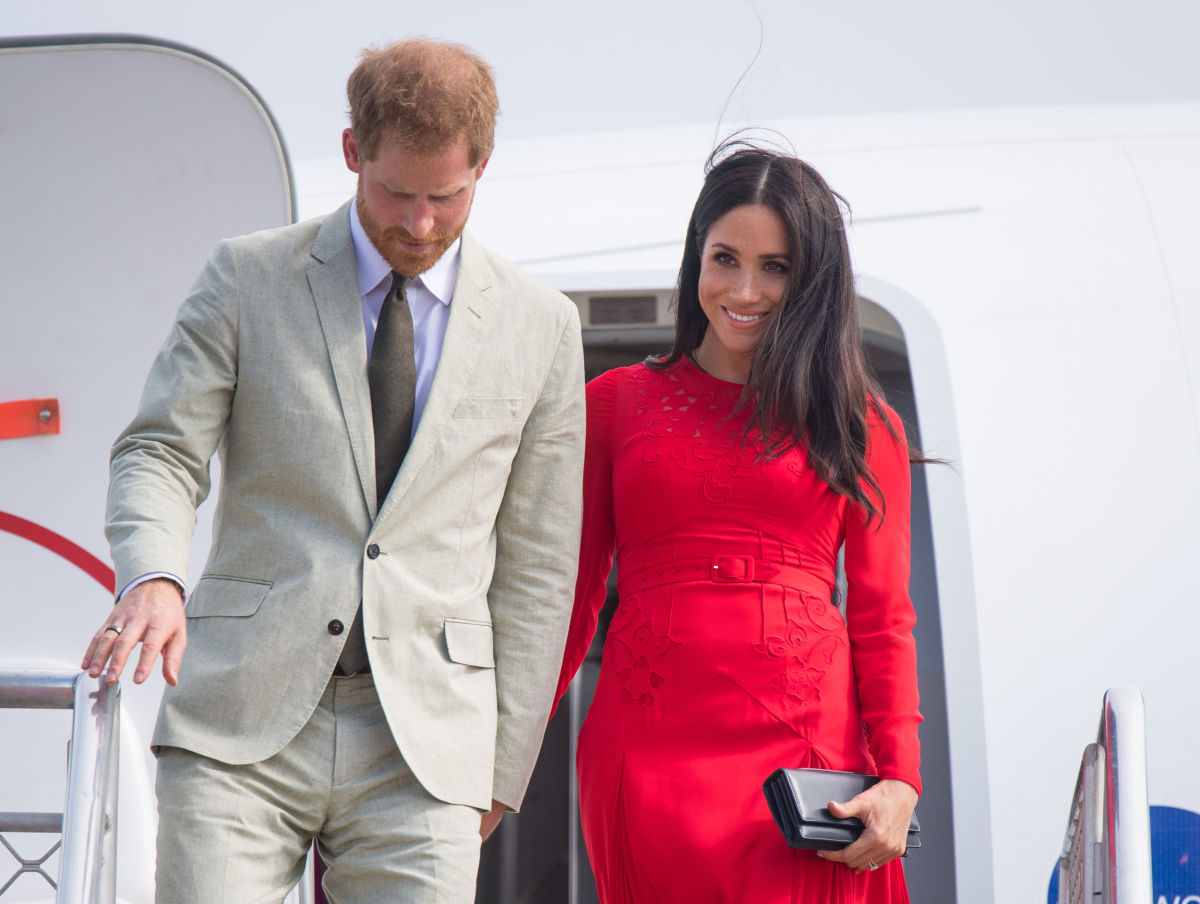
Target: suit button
{"points": [[373, 551], [336, 627]]}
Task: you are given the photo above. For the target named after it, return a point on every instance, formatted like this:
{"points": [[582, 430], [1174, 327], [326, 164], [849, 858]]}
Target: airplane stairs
{"points": [[1106, 849], [87, 826]]}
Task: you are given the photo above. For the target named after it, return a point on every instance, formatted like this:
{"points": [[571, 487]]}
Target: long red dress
{"points": [[726, 659]]}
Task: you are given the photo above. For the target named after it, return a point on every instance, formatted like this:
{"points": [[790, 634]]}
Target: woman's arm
{"points": [[880, 620], [879, 613], [598, 537]]}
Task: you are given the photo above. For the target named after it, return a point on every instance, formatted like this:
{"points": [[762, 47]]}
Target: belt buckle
{"points": [[732, 569]]}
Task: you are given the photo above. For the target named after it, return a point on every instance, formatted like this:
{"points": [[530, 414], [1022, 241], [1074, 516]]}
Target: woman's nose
{"points": [[743, 287]]}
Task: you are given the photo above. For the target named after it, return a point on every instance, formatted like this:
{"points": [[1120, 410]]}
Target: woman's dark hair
{"points": [[809, 383]]}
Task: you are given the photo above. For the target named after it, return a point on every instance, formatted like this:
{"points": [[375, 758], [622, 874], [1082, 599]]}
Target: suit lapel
{"points": [[334, 284], [472, 313]]}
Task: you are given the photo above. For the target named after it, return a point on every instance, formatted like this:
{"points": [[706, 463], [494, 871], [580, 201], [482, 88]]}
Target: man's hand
{"points": [[886, 810], [491, 819], [150, 613]]}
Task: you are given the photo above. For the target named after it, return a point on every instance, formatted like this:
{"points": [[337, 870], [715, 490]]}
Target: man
{"points": [[373, 645]]}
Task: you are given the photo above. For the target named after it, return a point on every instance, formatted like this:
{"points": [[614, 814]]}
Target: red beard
{"points": [[388, 242]]}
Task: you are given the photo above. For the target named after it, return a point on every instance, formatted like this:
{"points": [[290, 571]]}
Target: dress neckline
{"points": [[691, 365]]}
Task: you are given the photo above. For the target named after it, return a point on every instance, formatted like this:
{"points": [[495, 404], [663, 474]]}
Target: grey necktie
{"points": [[392, 376]]}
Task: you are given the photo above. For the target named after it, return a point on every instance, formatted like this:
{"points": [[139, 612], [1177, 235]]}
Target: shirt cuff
{"points": [[153, 576]]}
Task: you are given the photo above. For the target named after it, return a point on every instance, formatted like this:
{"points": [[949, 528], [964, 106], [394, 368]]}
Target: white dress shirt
{"points": [[429, 298]]}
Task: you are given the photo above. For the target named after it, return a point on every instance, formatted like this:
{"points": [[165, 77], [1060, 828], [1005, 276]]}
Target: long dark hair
{"points": [[809, 384]]}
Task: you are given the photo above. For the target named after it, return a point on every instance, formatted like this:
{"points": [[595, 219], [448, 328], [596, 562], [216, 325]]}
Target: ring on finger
{"points": [[115, 628], [872, 865]]}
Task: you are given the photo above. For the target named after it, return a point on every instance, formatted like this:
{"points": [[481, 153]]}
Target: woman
{"points": [[727, 475]]}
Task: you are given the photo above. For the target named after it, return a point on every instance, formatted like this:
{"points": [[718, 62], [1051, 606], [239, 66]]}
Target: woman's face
{"points": [[743, 273]]}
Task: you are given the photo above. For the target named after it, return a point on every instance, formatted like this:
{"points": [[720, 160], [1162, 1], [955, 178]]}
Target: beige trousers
{"points": [[239, 834]]}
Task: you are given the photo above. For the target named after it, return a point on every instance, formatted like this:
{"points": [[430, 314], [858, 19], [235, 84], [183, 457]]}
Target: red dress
{"points": [[726, 659]]}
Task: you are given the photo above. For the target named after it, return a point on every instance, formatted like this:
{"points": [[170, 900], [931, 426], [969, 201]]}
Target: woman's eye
{"points": [[723, 257], [775, 267]]}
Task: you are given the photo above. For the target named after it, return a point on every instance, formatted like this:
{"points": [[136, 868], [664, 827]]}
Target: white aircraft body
{"points": [[1030, 289]]}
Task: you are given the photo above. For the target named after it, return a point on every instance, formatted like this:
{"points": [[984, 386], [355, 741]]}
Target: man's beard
{"points": [[387, 242]]}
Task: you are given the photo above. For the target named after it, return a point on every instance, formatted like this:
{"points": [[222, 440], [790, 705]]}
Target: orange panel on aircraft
{"points": [[30, 417]]}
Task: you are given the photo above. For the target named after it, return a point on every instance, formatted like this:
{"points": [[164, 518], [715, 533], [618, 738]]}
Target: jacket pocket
{"points": [[218, 595], [470, 643], [487, 408]]}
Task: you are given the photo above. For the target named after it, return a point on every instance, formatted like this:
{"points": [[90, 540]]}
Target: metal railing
{"points": [[1106, 850], [88, 824]]}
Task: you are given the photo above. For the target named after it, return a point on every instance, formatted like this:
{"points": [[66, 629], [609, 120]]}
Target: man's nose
{"points": [[418, 221]]}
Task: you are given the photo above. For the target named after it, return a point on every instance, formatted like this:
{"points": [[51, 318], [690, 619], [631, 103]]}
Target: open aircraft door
{"points": [[122, 162]]}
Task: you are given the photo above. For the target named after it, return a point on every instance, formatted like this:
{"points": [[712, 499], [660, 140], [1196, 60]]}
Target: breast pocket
{"points": [[488, 408], [470, 643], [219, 595]]}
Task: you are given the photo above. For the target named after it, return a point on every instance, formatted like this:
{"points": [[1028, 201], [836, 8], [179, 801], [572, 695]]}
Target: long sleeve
{"points": [[879, 613], [536, 533], [598, 536], [160, 464]]}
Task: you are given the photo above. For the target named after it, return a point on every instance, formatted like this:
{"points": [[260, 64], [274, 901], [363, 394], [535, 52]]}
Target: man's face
{"points": [[412, 206]]}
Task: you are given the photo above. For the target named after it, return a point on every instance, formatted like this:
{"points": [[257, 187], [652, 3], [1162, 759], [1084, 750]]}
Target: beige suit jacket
{"points": [[466, 573]]}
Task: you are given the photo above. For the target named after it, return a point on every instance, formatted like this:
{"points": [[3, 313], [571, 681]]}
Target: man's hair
{"points": [[424, 94]]}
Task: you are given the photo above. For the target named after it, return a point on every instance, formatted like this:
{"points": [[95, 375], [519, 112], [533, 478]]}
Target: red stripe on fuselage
{"points": [[61, 546]]}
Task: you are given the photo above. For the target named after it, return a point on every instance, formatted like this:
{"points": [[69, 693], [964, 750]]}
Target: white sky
{"points": [[566, 67]]}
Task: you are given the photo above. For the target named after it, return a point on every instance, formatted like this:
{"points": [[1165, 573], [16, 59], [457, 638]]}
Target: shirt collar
{"points": [[439, 280]]}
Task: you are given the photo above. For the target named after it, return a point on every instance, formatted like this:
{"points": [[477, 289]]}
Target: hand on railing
{"points": [[150, 614]]}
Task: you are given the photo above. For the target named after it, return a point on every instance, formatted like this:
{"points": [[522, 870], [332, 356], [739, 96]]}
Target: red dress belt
{"points": [[723, 569]]}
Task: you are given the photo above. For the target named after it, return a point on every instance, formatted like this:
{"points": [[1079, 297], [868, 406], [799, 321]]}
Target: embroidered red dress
{"points": [[726, 658]]}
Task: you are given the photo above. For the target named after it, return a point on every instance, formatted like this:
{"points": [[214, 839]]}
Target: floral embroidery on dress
{"points": [[800, 680], [633, 634], [675, 412], [799, 683], [640, 683], [824, 614]]}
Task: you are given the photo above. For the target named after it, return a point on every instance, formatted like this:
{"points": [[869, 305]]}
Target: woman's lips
{"points": [[745, 319]]}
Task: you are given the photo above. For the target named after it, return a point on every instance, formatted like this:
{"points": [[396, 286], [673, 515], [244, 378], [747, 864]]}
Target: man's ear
{"points": [[350, 151], [480, 168]]}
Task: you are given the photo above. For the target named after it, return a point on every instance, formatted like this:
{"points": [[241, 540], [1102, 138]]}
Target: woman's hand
{"points": [[491, 820], [886, 810]]}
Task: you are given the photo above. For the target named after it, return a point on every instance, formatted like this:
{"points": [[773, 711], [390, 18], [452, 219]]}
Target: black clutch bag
{"points": [[798, 798]]}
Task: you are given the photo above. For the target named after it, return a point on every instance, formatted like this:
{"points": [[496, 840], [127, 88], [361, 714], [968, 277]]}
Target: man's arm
{"points": [[160, 474], [537, 548]]}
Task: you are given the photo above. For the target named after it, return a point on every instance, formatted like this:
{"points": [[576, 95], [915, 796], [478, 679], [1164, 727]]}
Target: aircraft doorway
{"points": [[539, 857]]}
